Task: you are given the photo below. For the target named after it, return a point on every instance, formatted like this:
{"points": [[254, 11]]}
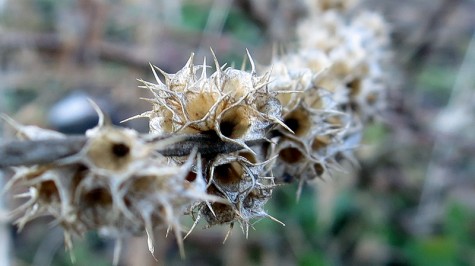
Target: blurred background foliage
{"points": [[411, 201]]}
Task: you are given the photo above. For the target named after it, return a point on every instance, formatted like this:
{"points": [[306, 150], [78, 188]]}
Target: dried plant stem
{"points": [[27, 153], [206, 145], [17, 153]]}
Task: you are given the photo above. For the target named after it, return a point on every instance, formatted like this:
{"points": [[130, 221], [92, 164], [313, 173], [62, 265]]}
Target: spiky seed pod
{"points": [[233, 104], [111, 150], [49, 193], [293, 162], [233, 176], [315, 100], [237, 178], [345, 58], [318, 155]]}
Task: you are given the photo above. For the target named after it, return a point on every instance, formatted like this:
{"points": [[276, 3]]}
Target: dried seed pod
{"points": [[233, 176], [289, 81], [295, 162], [236, 178], [112, 150], [217, 213], [50, 192], [233, 104]]}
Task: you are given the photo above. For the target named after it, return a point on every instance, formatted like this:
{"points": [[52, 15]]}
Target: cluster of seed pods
{"points": [[117, 184], [353, 48], [336, 84], [234, 106], [297, 120]]}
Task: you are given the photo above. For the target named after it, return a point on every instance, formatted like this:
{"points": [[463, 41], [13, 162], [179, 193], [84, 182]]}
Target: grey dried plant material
{"points": [[289, 80], [357, 54], [294, 162], [329, 88], [311, 153], [320, 156], [30, 132], [312, 114], [237, 178], [347, 56], [233, 104], [116, 184]]}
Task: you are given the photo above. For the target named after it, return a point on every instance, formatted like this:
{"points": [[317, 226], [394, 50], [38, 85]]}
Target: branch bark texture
{"points": [[15, 153]]}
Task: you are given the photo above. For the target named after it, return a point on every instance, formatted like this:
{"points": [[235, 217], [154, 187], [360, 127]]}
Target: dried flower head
{"points": [[233, 104]]}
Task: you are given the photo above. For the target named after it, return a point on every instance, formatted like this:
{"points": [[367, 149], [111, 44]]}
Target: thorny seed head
{"points": [[233, 104]]}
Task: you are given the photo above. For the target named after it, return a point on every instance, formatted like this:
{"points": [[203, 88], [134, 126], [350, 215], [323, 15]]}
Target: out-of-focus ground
{"points": [[411, 202]]}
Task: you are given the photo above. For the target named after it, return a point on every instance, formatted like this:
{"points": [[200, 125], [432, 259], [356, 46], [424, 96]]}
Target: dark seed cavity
{"points": [[120, 149]]}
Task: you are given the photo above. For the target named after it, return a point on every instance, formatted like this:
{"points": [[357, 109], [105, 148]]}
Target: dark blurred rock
{"points": [[74, 113]]}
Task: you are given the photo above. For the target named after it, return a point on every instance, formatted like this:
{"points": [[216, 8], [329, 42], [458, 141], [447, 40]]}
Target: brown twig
{"points": [[130, 55], [430, 32]]}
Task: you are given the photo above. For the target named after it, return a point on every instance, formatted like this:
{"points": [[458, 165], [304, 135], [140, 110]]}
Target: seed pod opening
{"points": [[354, 86], [229, 174], [235, 122], [97, 196], [110, 150], [291, 155], [48, 192], [96, 208], [217, 212], [299, 122], [252, 158], [321, 142], [191, 177], [319, 169]]}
